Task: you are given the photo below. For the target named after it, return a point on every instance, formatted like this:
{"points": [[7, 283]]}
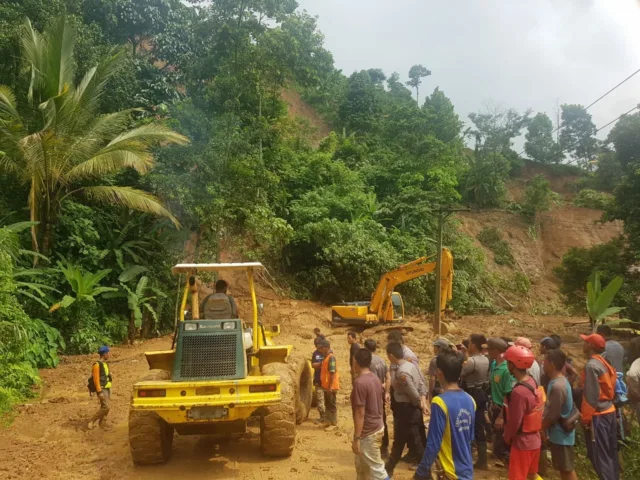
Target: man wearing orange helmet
{"points": [[523, 409]]}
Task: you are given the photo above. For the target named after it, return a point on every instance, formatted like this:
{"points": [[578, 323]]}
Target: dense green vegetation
{"points": [[160, 121]]}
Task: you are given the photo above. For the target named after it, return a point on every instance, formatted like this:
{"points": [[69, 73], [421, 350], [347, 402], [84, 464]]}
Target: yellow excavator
{"points": [[386, 306]]}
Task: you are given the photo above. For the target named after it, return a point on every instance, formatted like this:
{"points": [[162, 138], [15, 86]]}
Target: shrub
{"points": [[492, 239], [610, 260], [588, 198], [521, 283], [539, 197]]}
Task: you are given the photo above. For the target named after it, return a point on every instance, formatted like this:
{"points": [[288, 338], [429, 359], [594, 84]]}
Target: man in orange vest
{"points": [[598, 411], [523, 409], [330, 381]]}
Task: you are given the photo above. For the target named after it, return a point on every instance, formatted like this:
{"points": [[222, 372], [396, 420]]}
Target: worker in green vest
{"points": [[102, 385]]}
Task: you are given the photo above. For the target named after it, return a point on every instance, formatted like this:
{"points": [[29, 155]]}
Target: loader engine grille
{"points": [[209, 356]]}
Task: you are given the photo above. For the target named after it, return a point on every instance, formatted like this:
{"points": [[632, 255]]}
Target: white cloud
{"points": [[520, 54]]}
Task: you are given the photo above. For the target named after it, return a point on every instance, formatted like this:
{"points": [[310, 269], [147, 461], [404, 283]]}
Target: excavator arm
{"points": [[381, 298]]}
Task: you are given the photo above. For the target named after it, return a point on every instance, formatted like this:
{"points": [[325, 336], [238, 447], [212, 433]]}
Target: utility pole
{"points": [[558, 121], [443, 213]]}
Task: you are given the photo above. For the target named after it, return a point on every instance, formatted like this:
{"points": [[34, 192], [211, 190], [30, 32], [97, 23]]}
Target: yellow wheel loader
{"points": [[218, 374], [386, 306]]}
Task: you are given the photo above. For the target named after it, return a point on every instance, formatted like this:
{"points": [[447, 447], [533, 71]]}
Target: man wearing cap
{"points": [[409, 392], [474, 376], [441, 345], [412, 358], [613, 351], [501, 385], [598, 411], [102, 384], [554, 342]]}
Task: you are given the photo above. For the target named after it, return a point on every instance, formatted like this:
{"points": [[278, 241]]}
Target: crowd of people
{"points": [[481, 391]]}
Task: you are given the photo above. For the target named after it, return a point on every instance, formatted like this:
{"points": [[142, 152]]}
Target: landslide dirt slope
{"points": [[298, 109], [537, 251], [48, 438]]}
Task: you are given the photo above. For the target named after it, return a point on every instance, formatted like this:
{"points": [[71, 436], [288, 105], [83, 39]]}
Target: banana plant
{"points": [[85, 285], [599, 301], [139, 299]]}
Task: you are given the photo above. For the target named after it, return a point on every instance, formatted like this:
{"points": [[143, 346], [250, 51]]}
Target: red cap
{"points": [[595, 340]]}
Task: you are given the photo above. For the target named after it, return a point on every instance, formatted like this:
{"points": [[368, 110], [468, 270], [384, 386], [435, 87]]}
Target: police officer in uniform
{"points": [[410, 393], [474, 379]]}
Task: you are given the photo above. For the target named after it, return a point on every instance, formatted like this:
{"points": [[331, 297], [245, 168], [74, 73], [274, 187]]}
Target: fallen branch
{"points": [[505, 300]]}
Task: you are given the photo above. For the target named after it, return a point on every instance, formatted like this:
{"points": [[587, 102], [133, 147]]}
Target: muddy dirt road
{"points": [[49, 439]]}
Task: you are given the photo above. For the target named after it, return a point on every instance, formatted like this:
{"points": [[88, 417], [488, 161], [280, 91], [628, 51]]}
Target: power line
{"points": [[601, 97], [575, 160], [614, 121], [614, 88]]}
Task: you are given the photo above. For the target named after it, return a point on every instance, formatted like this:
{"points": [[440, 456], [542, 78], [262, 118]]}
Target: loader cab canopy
{"points": [[191, 290], [194, 268]]}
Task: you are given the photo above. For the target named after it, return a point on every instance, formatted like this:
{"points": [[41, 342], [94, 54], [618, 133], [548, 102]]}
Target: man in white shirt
{"points": [[534, 370], [633, 376]]}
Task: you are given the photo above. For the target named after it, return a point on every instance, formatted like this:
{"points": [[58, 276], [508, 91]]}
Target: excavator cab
{"points": [[398, 307]]}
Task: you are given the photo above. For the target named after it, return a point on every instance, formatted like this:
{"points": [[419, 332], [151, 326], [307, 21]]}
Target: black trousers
{"points": [[480, 426], [407, 419], [500, 447], [421, 427], [385, 436]]}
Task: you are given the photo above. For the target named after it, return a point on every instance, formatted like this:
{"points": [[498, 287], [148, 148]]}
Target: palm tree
{"points": [[56, 143]]}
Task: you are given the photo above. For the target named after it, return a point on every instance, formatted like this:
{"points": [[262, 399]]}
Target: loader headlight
{"points": [[228, 325], [190, 327]]}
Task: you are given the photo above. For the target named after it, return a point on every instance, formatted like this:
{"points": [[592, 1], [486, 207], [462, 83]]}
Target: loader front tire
{"points": [[150, 438], [278, 421], [157, 375], [303, 373]]}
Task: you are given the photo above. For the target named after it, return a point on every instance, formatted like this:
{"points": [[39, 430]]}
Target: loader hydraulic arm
{"points": [[389, 281]]}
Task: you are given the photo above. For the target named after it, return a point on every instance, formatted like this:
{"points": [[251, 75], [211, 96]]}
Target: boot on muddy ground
{"points": [[481, 464]]}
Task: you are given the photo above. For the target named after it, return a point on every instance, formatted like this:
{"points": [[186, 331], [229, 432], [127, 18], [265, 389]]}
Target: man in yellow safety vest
{"points": [[102, 384]]}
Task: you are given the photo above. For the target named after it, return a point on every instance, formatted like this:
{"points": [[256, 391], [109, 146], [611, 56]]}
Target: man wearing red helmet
{"points": [[524, 408], [598, 411]]}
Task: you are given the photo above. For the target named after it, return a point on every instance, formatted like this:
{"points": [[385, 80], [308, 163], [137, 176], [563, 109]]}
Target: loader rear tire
{"points": [[303, 373], [150, 438], [278, 421]]}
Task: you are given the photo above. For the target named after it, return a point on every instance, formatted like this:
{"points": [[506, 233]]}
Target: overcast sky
{"points": [[517, 53]]}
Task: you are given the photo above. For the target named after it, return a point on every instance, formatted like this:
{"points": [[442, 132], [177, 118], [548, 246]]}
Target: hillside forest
{"points": [[130, 127]]}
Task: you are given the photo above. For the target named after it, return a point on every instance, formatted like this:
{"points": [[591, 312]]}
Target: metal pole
{"points": [[443, 213], [437, 325]]}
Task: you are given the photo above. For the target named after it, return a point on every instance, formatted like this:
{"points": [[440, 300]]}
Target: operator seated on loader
{"points": [[219, 305]]}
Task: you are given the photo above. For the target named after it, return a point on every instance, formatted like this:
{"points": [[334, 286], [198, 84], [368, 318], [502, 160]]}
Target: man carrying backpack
{"points": [[100, 382], [598, 410], [524, 408]]}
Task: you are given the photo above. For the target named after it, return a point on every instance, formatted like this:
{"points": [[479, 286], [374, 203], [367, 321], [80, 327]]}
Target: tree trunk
{"points": [[147, 326], [47, 237], [132, 327]]}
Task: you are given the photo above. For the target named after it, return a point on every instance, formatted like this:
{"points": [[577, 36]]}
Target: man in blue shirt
{"points": [[451, 428], [559, 406]]}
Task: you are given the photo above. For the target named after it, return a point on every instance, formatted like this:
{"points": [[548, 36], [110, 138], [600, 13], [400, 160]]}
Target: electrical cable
{"points": [[575, 160]]}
